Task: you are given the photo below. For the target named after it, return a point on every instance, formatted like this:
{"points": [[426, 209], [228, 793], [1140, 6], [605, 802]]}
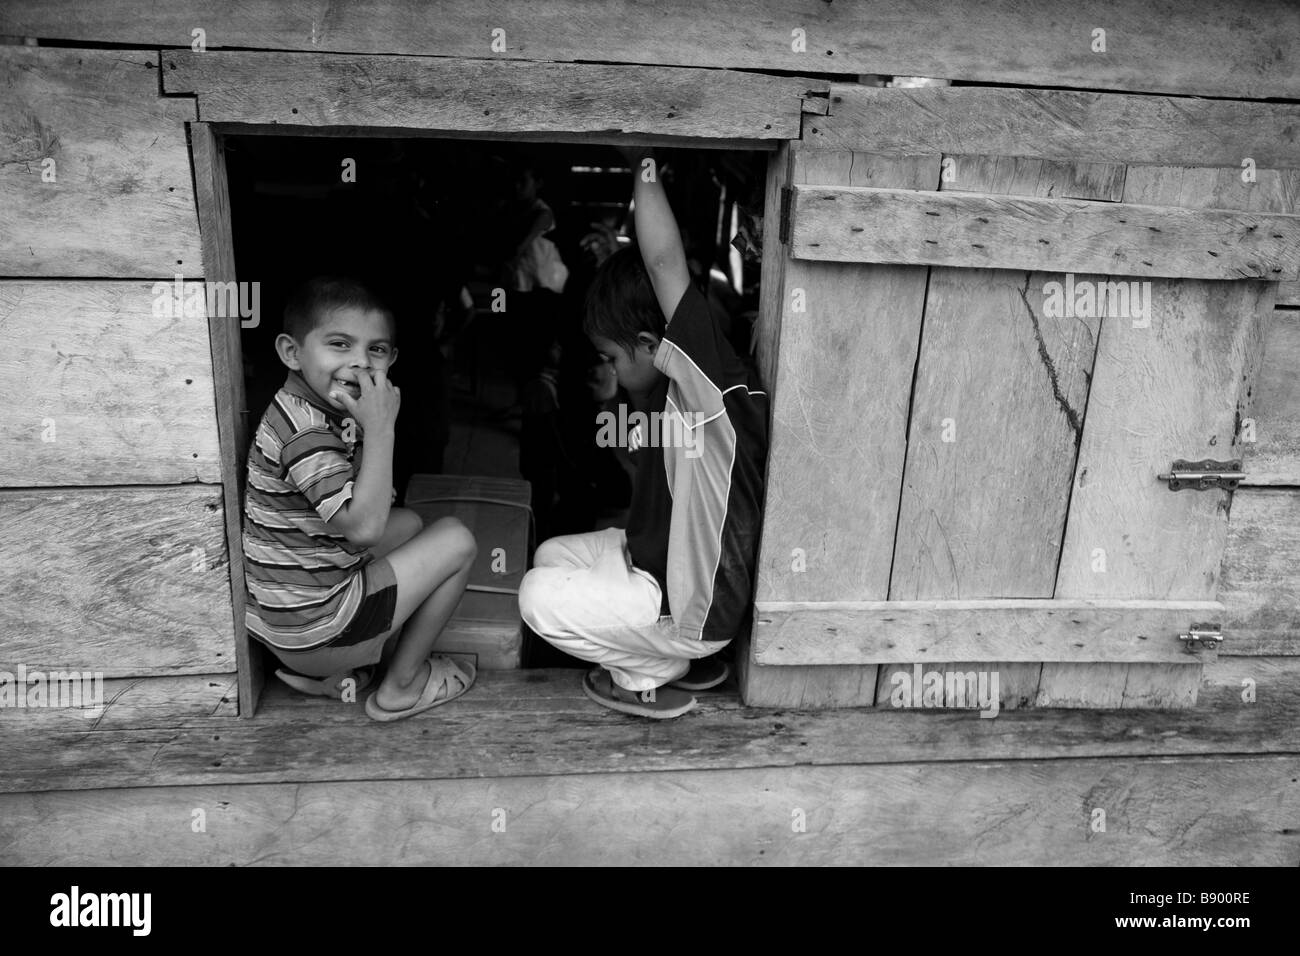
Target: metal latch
{"points": [[1203, 639], [1199, 475]]}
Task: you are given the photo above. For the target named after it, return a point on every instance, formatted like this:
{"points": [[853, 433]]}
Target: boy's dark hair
{"points": [[621, 301], [315, 297]]}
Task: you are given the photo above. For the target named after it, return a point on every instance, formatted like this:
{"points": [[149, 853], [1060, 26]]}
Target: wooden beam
{"points": [[1059, 124], [212, 194], [308, 89], [539, 723], [1191, 812], [799, 687], [127, 581], [847, 632], [1170, 46], [100, 390], [608, 138], [132, 703], [1049, 235], [94, 173]]}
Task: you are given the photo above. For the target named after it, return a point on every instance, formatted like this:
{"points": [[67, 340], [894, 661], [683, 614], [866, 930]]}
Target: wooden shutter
{"points": [[957, 475]]}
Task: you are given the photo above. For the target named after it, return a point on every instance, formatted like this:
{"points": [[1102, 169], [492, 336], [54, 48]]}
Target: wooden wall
{"points": [[119, 500], [1165, 46], [1173, 812], [119, 424], [115, 556]]}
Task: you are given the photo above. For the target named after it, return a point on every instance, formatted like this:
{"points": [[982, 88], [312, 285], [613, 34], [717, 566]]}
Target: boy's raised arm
{"points": [[656, 232]]}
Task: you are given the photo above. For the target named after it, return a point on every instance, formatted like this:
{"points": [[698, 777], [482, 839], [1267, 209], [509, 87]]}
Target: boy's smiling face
{"points": [[634, 370], [346, 343]]}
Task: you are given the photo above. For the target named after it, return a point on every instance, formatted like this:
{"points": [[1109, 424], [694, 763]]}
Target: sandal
{"points": [[705, 672], [438, 689], [327, 686], [659, 704]]}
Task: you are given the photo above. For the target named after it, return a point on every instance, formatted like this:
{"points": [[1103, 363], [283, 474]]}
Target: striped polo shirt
{"points": [[302, 582]]}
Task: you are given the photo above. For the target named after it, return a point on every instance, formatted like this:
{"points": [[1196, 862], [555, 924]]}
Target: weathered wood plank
{"points": [[1170, 46], [539, 723], [983, 509], [132, 702], [1050, 235], [1201, 187], [874, 632], [833, 469], [1273, 458], [767, 330], [800, 687], [1288, 294], [1260, 580], [213, 197], [1013, 685], [101, 391], [1058, 124], [787, 687], [992, 439], [1176, 388], [121, 201], [1031, 176], [1164, 812], [128, 581], [610, 137], [307, 89], [821, 538], [1161, 391]]}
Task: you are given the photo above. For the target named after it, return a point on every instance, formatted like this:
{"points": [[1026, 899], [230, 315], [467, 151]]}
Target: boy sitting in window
{"points": [[333, 570], [651, 603]]}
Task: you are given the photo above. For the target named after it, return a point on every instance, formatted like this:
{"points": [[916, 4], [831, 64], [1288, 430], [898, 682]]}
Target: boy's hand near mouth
{"points": [[375, 409]]}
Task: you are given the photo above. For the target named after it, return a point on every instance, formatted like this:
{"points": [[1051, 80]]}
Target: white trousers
{"points": [[584, 596]]}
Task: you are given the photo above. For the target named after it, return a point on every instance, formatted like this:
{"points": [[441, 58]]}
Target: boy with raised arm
{"points": [[651, 604]]}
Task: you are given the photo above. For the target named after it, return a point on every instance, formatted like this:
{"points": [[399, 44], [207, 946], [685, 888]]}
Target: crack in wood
{"points": [[1071, 415]]}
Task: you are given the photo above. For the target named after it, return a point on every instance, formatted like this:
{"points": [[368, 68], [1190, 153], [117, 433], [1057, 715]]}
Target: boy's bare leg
{"points": [[403, 525], [432, 570]]}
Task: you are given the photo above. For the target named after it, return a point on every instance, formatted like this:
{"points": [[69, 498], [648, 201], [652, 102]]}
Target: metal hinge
{"points": [[1203, 639], [787, 196], [1199, 475]]}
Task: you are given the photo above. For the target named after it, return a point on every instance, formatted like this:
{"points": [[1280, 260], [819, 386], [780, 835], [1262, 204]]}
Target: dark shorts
{"points": [[362, 641], [375, 613]]}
